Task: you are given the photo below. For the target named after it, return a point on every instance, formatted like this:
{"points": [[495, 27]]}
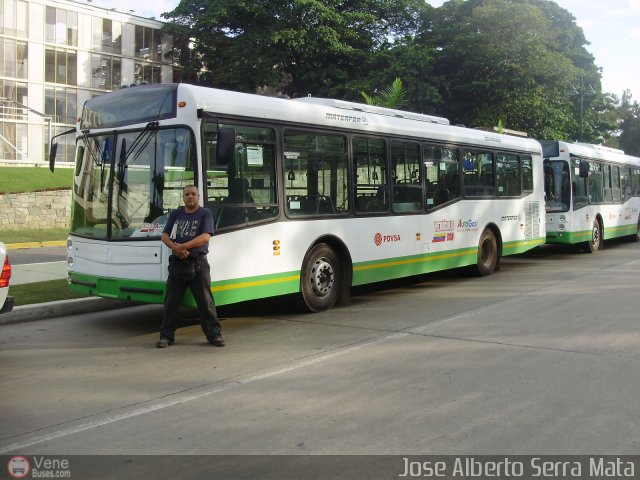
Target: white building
{"points": [[56, 54]]}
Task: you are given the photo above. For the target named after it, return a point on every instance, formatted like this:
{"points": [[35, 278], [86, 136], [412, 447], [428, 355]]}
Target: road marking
{"points": [[182, 397]]}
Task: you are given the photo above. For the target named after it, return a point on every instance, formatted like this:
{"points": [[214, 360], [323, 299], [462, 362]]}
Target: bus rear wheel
{"points": [[320, 278], [487, 253], [595, 242]]}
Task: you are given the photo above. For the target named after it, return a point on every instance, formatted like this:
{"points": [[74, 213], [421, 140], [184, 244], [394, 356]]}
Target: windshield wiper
{"points": [[92, 152], [140, 143]]}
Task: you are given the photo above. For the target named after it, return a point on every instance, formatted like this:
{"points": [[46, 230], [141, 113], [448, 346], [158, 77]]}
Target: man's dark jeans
{"points": [[201, 289]]}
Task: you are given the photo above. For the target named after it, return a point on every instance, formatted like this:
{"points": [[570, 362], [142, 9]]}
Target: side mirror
{"points": [[584, 169], [54, 147], [226, 147], [52, 156]]}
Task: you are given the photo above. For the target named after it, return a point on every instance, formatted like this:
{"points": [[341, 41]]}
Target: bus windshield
{"points": [[126, 183], [557, 186], [129, 106]]}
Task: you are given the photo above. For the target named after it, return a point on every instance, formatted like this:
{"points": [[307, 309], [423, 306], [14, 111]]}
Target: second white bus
{"points": [[592, 194]]}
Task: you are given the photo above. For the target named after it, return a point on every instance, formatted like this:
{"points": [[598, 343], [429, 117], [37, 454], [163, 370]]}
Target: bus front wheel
{"points": [[487, 253], [320, 278], [636, 237], [595, 242]]}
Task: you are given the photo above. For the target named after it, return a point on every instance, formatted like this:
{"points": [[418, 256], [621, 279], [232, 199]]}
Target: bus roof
{"points": [[565, 150], [329, 113]]}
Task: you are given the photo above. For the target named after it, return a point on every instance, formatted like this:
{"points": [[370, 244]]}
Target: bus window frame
{"points": [[493, 190], [387, 181]]}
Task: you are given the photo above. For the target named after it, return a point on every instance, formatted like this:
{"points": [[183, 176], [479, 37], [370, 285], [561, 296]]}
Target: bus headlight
{"points": [[70, 262], [69, 245], [563, 218], [561, 227]]}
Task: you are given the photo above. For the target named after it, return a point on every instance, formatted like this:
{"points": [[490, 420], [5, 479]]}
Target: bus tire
{"points": [[636, 236], [595, 242], [487, 253], [320, 278]]}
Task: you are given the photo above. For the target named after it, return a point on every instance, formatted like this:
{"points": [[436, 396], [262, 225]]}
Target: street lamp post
{"points": [[582, 91]]}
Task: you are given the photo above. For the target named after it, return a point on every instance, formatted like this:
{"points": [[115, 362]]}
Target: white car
{"points": [[6, 302]]}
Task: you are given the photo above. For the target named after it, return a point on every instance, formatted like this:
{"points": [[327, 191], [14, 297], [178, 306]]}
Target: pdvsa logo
{"points": [[379, 239], [18, 467]]}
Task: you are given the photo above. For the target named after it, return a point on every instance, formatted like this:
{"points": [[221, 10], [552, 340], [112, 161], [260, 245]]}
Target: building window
{"points": [[61, 66], [147, 73], [14, 144], [13, 135], [13, 58], [14, 18], [61, 27], [105, 72], [13, 93], [66, 145], [107, 35], [148, 43], [61, 104]]}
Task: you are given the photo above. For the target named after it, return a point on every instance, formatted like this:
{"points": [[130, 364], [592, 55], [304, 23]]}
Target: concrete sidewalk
{"points": [[38, 272], [44, 311]]}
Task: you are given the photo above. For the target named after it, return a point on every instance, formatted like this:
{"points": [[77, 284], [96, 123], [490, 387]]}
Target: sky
{"points": [[611, 26]]}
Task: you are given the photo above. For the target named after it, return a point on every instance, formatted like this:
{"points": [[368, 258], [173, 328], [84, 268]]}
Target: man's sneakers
{"points": [[217, 341], [163, 342]]}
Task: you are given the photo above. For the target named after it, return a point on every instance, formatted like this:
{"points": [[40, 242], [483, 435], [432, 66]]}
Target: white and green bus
{"points": [[592, 194], [309, 196]]}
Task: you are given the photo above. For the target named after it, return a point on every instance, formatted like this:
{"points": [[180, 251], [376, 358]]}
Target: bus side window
{"points": [[595, 183], [443, 175], [316, 178], [527, 173], [608, 193], [508, 175], [407, 181], [616, 189], [479, 176], [625, 183], [371, 182]]}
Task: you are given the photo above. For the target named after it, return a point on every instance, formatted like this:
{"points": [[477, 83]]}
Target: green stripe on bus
{"points": [[379, 270], [225, 292], [621, 231], [585, 235], [564, 238], [264, 286]]}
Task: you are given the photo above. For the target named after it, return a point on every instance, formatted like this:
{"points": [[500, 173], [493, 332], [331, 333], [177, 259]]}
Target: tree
{"points": [[301, 47], [473, 61], [510, 59], [393, 97], [629, 139]]}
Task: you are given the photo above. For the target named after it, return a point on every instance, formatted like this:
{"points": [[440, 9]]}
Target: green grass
{"points": [[30, 235], [42, 292], [33, 179]]}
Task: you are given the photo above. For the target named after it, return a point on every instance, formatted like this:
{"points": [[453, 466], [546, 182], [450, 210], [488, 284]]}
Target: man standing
{"points": [[187, 234]]}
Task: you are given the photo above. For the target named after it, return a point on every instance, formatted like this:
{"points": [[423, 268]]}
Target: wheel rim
{"points": [[322, 277], [595, 236]]}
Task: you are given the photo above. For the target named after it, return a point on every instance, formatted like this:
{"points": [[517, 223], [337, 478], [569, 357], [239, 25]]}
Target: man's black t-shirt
{"points": [[183, 227]]}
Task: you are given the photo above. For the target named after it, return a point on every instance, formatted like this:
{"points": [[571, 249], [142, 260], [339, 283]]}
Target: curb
{"points": [[41, 311], [53, 243]]}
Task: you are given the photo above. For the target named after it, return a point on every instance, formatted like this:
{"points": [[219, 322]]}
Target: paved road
{"points": [[541, 358]]}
